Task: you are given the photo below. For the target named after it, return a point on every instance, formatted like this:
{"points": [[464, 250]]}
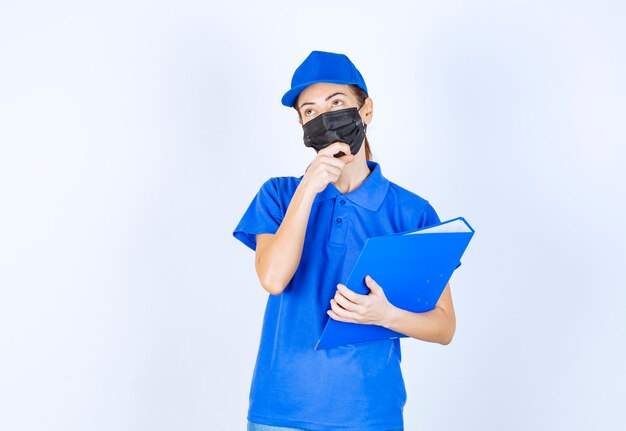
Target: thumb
{"points": [[374, 287]]}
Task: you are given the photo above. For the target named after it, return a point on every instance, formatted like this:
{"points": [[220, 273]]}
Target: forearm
{"points": [[436, 325], [278, 262]]}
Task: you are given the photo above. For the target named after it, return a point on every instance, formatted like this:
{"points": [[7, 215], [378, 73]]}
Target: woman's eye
{"points": [[338, 101], [307, 112]]}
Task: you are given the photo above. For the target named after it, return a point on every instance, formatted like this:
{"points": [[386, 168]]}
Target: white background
{"points": [[133, 135]]}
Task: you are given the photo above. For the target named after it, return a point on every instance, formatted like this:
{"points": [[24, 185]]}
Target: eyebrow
{"points": [[332, 95]]}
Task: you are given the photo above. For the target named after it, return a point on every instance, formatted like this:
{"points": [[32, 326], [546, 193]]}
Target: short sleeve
{"points": [[264, 215], [428, 217]]}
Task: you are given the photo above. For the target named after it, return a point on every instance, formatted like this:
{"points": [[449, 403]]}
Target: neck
{"points": [[353, 174]]}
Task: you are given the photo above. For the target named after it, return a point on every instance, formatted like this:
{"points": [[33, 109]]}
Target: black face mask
{"points": [[343, 125]]}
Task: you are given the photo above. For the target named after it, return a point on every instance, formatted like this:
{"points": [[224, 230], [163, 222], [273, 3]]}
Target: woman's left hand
{"points": [[372, 309]]}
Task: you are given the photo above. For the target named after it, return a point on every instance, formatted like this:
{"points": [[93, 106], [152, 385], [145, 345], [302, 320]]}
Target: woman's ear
{"points": [[368, 110]]}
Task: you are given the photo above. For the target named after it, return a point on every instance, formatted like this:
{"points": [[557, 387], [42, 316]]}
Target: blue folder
{"points": [[413, 268]]}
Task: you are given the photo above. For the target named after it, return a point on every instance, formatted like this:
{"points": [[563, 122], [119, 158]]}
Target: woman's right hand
{"points": [[326, 168], [278, 255]]}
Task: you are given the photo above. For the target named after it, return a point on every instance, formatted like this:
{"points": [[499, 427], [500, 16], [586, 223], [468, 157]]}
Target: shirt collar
{"points": [[370, 194]]}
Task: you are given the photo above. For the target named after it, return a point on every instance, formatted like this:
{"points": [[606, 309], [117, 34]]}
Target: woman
{"points": [[307, 233]]}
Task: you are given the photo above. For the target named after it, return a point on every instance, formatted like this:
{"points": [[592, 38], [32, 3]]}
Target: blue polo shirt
{"points": [[355, 387]]}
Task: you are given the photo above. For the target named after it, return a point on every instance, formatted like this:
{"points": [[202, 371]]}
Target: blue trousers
{"points": [[252, 426]]}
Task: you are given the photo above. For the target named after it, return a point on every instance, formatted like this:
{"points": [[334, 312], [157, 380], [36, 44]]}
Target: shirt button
{"points": [[339, 220], [342, 202]]}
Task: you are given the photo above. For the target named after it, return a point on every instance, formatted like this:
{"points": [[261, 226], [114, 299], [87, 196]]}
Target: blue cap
{"points": [[321, 66]]}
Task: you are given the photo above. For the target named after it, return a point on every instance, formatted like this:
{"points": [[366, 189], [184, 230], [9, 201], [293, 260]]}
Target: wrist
{"points": [[306, 191], [391, 317]]}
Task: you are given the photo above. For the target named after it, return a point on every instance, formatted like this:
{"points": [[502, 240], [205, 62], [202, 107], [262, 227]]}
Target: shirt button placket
{"points": [[338, 231]]}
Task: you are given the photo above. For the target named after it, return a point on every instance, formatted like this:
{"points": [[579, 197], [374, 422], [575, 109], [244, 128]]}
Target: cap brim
{"points": [[290, 96]]}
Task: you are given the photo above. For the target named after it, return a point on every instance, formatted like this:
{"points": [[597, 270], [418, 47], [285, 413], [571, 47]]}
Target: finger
{"points": [[343, 312], [346, 158], [374, 287], [350, 294], [329, 177], [334, 148], [332, 170], [335, 316], [333, 161], [346, 303]]}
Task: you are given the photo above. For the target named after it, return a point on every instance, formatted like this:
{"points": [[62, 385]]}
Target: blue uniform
{"points": [[356, 387]]}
